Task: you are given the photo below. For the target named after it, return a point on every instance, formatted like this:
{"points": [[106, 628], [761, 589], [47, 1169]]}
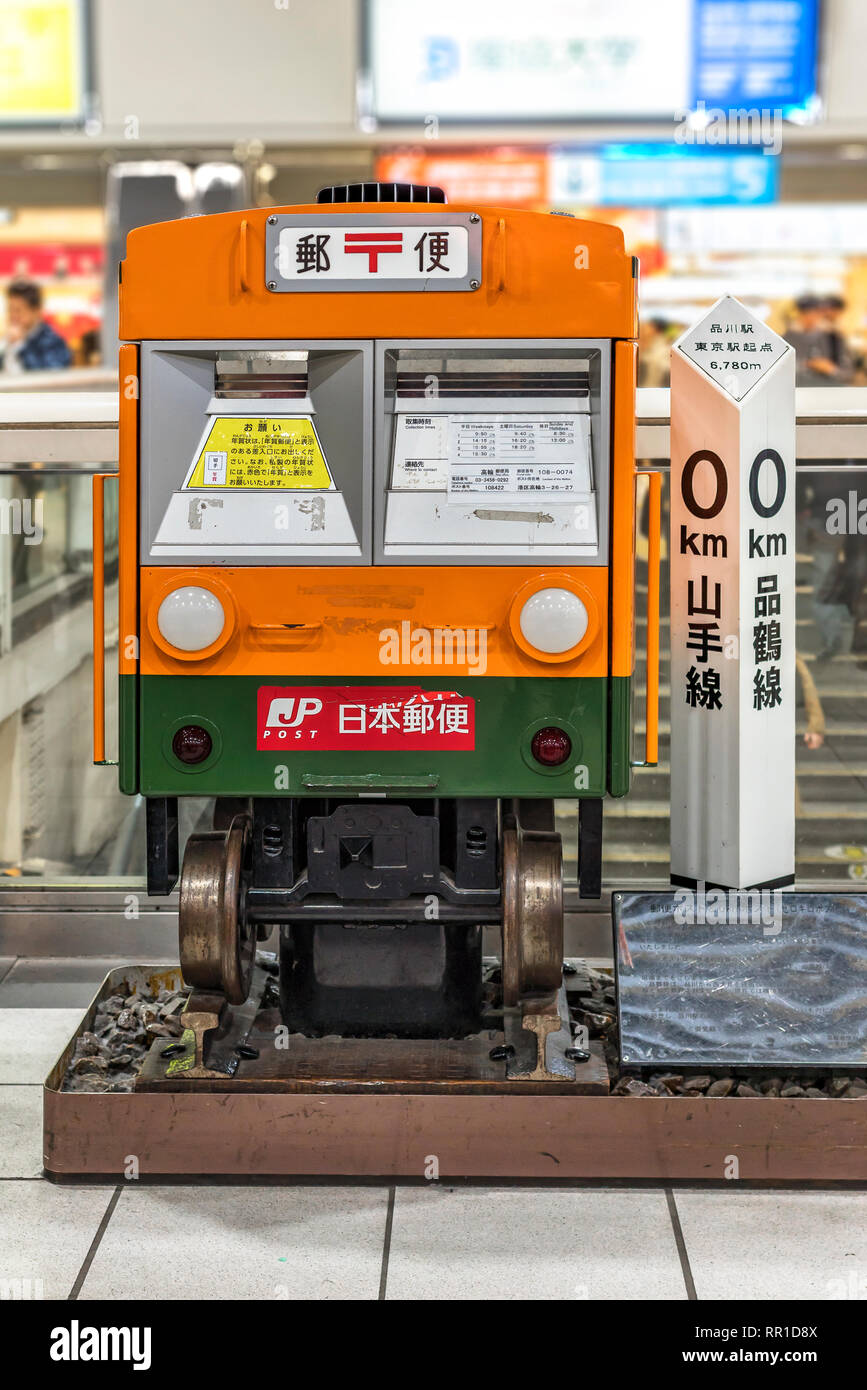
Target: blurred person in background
{"points": [[853, 561], [840, 570], [87, 352], [654, 353], [835, 306], [839, 595], [842, 351], [823, 356], [31, 344]]}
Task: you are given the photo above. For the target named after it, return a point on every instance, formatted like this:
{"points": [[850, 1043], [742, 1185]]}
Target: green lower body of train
{"points": [[596, 713]]}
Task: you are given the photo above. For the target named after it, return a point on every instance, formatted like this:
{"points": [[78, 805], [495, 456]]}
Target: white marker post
{"points": [[732, 603]]}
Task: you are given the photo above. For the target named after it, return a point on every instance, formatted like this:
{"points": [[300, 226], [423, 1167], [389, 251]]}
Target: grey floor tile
{"points": [[20, 1131], [747, 1244], [45, 1234], [53, 982], [31, 1040], [532, 1243], [246, 1243]]}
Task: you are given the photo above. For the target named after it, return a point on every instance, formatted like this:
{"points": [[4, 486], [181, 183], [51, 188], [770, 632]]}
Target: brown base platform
{"points": [[244, 1134], [370, 1136]]}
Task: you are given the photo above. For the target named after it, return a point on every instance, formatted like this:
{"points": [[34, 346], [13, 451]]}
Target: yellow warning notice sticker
{"points": [[244, 452]]}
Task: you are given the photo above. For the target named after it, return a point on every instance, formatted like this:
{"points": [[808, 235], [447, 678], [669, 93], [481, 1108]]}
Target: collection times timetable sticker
{"points": [[519, 453], [257, 452]]}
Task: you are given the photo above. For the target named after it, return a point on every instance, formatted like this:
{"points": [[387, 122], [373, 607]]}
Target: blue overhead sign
{"points": [[661, 176], [554, 60], [749, 53]]}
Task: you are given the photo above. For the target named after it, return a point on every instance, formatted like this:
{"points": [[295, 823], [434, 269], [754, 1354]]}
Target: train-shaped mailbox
{"points": [[376, 596]]}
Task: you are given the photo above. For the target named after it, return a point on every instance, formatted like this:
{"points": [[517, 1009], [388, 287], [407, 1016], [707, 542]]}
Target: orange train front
{"points": [[377, 492]]}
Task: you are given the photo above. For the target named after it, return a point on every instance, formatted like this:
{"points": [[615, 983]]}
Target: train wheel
{"points": [[217, 948], [532, 912]]}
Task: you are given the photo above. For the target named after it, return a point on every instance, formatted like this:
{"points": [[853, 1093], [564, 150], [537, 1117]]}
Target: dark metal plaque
{"points": [[742, 979]]}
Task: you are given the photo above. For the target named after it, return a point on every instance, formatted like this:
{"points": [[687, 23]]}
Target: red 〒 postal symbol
{"points": [[339, 717], [373, 245]]}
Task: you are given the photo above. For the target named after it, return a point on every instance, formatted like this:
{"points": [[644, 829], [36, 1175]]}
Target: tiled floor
{"points": [[373, 1241]]}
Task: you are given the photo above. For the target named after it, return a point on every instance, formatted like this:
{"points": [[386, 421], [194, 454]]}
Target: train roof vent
{"points": [[381, 193]]}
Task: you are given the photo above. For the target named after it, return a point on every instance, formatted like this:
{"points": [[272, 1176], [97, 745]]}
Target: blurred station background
{"points": [[728, 138]]}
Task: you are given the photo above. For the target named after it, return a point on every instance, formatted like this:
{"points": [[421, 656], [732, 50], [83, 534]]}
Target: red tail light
{"points": [[551, 746], [192, 744]]}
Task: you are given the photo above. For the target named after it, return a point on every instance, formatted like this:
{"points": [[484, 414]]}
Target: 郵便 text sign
{"points": [[328, 252]]}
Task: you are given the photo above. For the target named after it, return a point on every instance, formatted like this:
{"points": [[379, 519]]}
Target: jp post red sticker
{"points": [[341, 717]]}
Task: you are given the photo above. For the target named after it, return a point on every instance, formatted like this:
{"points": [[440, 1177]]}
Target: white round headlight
{"points": [[191, 618], [553, 620]]}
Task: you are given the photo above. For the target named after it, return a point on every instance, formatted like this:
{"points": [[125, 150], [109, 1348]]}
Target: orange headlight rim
{"points": [[195, 579], [554, 581]]}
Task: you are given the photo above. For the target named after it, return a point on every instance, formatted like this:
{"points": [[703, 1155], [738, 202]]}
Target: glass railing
{"points": [[63, 823], [831, 618]]}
